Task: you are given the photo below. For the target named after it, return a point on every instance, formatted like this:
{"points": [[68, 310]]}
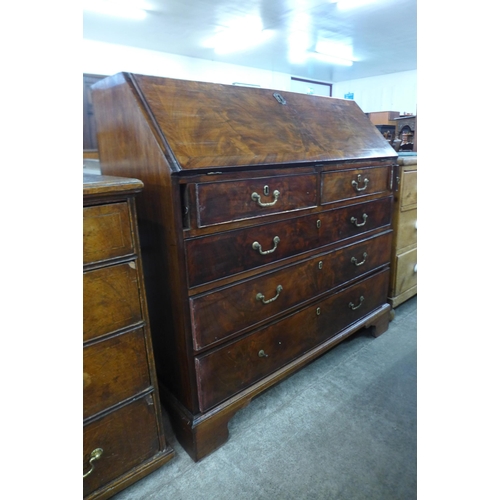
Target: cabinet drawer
{"points": [[407, 229], [408, 189], [237, 365], [110, 299], [406, 271], [127, 437], [106, 232], [220, 314], [114, 370], [346, 184], [219, 202], [212, 257]]}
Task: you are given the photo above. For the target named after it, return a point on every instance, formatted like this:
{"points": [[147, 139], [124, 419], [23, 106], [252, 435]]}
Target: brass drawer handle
{"points": [[262, 354], [358, 182], [261, 297], [256, 197], [354, 220], [256, 246], [355, 261], [353, 307], [95, 455]]}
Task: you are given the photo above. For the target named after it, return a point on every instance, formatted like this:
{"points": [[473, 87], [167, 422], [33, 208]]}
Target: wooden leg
{"points": [[381, 324], [201, 435]]}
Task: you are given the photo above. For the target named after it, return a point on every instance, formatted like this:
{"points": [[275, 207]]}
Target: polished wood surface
{"points": [[237, 365], [215, 234], [235, 200], [116, 368], [128, 437], [227, 312], [106, 232], [121, 408], [210, 125]]}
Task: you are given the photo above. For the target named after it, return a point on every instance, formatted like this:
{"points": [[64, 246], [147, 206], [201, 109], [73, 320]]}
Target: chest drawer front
{"points": [[213, 257], [236, 366], [220, 314], [407, 229], [106, 232], [127, 436], [234, 200], [110, 300], [408, 189], [406, 271], [113, 370], [347, 184]]}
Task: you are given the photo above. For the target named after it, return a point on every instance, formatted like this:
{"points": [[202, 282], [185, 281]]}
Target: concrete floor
{"points": [[344, 427]]}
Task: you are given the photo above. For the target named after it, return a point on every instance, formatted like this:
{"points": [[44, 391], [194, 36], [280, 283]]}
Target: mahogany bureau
{"points": [[266, 230], [122, 430]]}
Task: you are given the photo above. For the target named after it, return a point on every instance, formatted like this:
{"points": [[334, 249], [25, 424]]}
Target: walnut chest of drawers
{"points": [[122, 430], [403, 282], [266, 230]]}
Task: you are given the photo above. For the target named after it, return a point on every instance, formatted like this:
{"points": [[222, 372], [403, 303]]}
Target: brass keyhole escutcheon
{"points": [[320, 264], [262, 354], [318, 311], [318, 224]]}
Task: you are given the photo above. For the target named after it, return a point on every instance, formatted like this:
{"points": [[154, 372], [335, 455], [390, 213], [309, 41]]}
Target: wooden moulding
{"points": [[202, 434]]}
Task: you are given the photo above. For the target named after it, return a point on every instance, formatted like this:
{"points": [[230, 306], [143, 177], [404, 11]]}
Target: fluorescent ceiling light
{"points": [[240, 35], [334, 52], [127, 9]]}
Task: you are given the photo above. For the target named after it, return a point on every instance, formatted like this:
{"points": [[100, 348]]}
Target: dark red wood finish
{"points": [[202, 150]]}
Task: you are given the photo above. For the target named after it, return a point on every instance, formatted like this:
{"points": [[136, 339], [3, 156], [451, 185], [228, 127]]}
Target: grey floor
{"points": [[344, 427]]}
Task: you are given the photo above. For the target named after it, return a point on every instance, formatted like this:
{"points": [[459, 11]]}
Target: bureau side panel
{"points": [[129, 147]]}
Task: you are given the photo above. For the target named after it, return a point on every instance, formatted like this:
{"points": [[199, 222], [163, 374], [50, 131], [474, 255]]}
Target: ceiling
{"points": [[383, 34]]}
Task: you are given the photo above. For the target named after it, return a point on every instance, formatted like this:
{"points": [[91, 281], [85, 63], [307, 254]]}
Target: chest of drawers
{"points": [[266, 234], [403, 282], [122, 431]]}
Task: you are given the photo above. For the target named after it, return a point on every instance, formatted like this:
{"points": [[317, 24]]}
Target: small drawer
{"points": [[110, 299], [213, 257], [406, 271], [106, 232], [219, 202], [348, 184], [408, 189], [127, 437], [407, 229], [223, 313], [236, 366], [114, 370]]}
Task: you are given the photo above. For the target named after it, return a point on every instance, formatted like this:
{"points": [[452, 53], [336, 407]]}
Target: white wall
{"points": [[107, 59], [395, 92]]}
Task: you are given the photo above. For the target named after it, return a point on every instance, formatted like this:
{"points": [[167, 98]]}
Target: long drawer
{"points": [[235, 366], [127, 437], [113, 370], [110, 299], [213, 257], [219, 314]]}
